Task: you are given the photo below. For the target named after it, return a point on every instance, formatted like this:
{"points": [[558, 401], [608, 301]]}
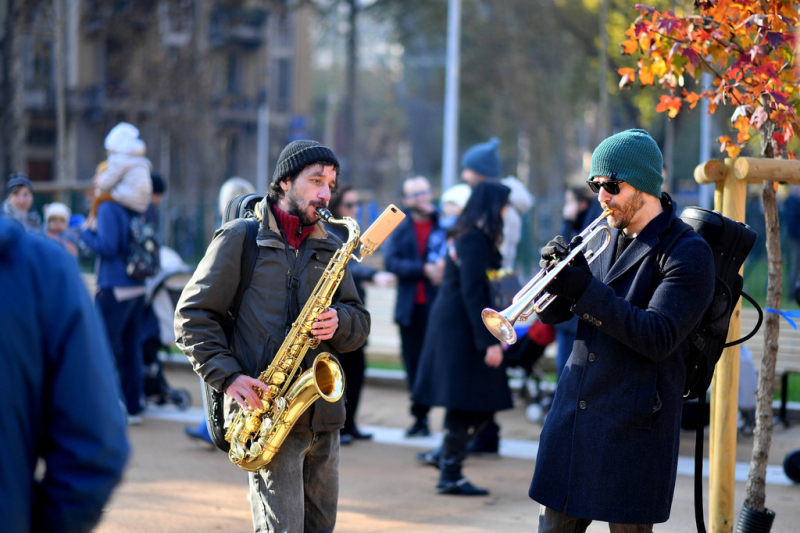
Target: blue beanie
{"points": [[484, 159], [633, 157]]}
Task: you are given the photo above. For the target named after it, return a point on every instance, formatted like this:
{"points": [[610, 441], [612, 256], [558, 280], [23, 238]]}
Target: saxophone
{"points": [[256, 435]]}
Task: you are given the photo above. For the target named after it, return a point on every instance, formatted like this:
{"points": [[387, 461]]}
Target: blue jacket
{"points": [[110, 243], [57, 390], [609, 446], [401, 257]]}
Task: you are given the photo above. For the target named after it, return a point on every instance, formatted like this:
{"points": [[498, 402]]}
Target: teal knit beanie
{"points": [[633, 157], [484, 159]]}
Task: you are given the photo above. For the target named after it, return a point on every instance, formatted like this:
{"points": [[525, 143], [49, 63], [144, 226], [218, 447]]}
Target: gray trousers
{"points": [[552, 521], [298, 491]]}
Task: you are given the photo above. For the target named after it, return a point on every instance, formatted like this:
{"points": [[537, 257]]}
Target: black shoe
{"points": [[419, 429], [345, 439], [430, 458], [356, 434], [462, 487]]}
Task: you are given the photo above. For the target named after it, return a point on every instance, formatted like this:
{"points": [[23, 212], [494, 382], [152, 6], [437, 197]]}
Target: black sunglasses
{"points": [[611, 186]]}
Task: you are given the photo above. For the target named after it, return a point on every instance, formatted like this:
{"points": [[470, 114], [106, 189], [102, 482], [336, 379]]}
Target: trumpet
{"points": [[533, 297]]}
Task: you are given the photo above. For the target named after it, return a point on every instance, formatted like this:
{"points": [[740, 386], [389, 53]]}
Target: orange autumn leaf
{"points": [[670, 104], [646, 76], [692, 99], [629, 46]]}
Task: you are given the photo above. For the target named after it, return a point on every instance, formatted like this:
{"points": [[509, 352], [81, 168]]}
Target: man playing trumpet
{"points": [[609, 447]]}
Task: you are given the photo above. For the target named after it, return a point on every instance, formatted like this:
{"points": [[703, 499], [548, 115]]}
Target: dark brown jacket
{"points": [[266, 311]]}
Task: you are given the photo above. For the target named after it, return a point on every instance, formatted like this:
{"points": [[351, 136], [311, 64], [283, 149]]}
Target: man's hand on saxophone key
{"points": [[243, 389], [326, 324]]}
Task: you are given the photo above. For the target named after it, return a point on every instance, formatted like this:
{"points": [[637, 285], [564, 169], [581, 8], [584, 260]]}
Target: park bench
{"points": [[788, 361]]}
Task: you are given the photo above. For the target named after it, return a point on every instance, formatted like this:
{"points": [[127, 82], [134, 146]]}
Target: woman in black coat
{"points": [[460, 366]]}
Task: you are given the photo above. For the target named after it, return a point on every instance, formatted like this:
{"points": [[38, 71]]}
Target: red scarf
{"points": [[292, 230]]}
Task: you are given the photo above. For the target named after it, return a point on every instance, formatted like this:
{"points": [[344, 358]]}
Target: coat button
{"points": [[598, 323], [586, 316], [592, 358], [582, 404]]}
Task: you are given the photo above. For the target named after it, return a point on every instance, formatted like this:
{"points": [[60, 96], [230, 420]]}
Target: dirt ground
{"points": [[173, 484]]}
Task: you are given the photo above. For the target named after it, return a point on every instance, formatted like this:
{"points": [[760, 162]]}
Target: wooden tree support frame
{"points": [[731, 178]]}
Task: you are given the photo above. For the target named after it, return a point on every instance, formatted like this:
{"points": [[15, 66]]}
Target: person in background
{"points": [[406, 255], [345, 203], [120, 298], [480, 163], [126, 177], [452, 201], [461, 365], [58, 392], [19, 202], [232, 188], [580, 210], [56, 221], [609, 447], [153, 214]]}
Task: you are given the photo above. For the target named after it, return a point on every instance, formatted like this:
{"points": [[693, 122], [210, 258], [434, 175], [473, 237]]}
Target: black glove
{"points": [[572, 280], [555, 249]]}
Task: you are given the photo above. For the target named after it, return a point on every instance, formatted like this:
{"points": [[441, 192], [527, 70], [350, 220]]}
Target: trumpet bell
{"points": [[499, 325]]}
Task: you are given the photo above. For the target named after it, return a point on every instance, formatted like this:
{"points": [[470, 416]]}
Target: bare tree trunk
{"points": [[755, 490], [350, 129], [61, 107], [14, 115]]}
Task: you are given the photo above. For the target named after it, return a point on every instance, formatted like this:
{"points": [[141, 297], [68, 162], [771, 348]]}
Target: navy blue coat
{"points": [[609, 446], [452, 372], [58, 391], [401, 257]]}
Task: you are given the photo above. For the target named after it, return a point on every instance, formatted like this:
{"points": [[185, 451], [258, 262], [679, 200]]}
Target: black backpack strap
{"points": [[214, 400]]}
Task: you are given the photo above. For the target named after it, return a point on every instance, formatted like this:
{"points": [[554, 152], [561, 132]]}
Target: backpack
{"points": [[242, 206], [731, 243], [142, 260]]}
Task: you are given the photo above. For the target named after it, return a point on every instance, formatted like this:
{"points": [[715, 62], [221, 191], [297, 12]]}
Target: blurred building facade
{"points": [[216, 88]]}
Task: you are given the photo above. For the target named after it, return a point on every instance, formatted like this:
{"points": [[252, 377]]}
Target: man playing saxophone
{"points": [[298, 489]]}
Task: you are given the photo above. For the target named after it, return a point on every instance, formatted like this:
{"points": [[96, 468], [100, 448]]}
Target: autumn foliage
{"points": [[747, 46]]}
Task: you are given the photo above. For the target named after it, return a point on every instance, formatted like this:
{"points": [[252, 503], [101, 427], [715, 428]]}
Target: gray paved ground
{"points": [[174, 485]]}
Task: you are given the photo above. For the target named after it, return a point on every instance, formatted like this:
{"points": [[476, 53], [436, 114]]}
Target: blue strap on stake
{"points": [[788, 315]]}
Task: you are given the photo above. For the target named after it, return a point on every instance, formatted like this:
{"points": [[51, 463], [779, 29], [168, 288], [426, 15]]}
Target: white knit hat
{"points": [[124, 139], [457, 194], [57, 209]]}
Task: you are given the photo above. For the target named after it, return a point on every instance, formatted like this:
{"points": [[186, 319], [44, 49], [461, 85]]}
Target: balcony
{"points": [[239, 27]]}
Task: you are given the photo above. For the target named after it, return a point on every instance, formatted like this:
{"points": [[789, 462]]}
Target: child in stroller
{"points": [[163, 291]]}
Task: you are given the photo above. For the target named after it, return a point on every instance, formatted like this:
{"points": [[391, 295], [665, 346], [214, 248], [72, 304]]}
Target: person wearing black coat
{"points": [[345, 203], [411, 253], [609, 447], [461, 363]]}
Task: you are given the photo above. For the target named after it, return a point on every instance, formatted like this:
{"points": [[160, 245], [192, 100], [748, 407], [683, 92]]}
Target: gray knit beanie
{"points": [[298, 155], [633, 157]]}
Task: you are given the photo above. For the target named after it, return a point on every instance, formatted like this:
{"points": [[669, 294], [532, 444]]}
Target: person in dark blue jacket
{"points": [[609, 447], [57, 391], [407, 254], [120, 299]]}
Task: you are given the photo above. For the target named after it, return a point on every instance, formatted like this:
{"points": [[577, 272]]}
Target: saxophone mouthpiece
{"points": [[324, 214]]}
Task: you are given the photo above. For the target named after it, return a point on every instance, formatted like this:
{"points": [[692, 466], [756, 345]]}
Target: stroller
{"points": [[163, 292], [521, 359]]}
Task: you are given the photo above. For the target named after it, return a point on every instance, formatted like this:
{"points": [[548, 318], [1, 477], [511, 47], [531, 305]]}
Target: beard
{"points": [[299, 208], [624, 213]]}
